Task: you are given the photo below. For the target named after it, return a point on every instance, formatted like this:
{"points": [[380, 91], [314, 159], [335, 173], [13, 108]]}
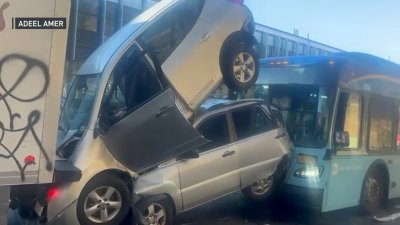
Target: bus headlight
{"points": [[309, 172]]}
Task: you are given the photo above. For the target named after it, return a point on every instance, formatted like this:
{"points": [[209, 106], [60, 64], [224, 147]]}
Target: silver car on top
{"points": [[248, 149], [129, 107]]}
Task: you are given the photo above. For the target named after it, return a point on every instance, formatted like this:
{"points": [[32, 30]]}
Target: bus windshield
{"points": [[304, 104]]}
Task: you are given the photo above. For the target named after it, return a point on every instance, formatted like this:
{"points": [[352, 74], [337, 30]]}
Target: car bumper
{"points": [[304, 197]]}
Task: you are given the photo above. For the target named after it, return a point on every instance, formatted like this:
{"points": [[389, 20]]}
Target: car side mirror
{"points": [[189, 155], [342, 139]]}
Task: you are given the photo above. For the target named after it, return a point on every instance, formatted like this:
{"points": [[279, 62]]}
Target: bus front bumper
{"points": [[304, 197]]}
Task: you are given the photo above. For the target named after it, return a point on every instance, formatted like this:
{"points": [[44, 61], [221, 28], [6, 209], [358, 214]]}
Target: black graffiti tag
{"points": [[8, 92]]}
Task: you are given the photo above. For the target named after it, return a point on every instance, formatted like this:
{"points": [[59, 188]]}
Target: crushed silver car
{"points": [[248, 150]]}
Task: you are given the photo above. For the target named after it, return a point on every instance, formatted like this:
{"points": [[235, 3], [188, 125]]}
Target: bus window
{"points": [[348, 117], [381, 124]]}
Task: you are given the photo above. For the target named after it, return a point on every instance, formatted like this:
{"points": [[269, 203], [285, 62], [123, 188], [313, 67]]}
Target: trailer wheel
{"points": [[372, 192], [105, 200]]}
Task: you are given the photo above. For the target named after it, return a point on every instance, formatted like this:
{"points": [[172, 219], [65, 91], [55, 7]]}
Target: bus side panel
{"points": [[393, 164], [346, 179]]}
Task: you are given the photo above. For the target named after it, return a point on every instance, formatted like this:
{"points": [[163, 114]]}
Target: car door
{"points": [[214, 173], [139, 120], [259, 143]]}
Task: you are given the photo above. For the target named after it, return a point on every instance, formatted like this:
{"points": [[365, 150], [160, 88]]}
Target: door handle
{"points": [[228, 153], [205, 37], [164, 110]]}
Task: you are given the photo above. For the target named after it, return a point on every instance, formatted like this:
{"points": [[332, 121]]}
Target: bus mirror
{"points": [[342, 139]]}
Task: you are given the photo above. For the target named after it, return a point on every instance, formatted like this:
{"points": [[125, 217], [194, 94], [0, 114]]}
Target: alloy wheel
{"points": [[156, 214], [261, 187], [244, 67], [102, 204]]}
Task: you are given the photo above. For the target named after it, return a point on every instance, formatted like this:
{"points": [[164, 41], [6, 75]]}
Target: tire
{"points": [[240, 67], [116, 203], [372, 192], [270, 184], [262, 190], [158, 210]]}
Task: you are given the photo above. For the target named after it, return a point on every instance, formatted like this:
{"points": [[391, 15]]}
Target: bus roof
{"points": [[350, 70], [367, 63]]}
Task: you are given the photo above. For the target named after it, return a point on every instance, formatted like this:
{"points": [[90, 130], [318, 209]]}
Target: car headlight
{"points": [[309, 172]]}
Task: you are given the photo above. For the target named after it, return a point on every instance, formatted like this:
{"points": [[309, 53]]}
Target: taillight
{"points": [[238, 1], [52, 193]]}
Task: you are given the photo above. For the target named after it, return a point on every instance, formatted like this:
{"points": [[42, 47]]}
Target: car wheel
{"points": [[373, 191], [241, 67], [157, 210], [105, 200], [261, 190]]}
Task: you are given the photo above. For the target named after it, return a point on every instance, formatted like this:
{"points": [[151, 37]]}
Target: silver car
{"points": [[248, 149], [130, 106]]}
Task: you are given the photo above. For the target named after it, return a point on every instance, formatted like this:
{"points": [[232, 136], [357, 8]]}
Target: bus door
{"points": [[346, 169]]}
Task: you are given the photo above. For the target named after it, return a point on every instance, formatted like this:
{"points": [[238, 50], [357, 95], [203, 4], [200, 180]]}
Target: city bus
{"points": [[342, 112]]}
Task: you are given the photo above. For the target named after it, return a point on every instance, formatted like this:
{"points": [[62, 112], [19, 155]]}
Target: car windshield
{"points": [[79, 103]]}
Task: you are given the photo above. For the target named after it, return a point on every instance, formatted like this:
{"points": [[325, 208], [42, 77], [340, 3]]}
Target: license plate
{"points": [[38, 208]]}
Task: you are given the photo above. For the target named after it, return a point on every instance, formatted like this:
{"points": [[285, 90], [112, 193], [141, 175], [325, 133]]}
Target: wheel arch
{"points": [[380, 166], [125, 176], [159, 196], [283, 167]]}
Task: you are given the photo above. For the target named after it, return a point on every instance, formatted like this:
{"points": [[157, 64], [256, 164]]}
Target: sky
{"points": [[370, 26]]}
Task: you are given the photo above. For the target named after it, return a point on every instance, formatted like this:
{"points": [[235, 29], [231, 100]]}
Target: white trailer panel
{"points": [[31, 75]]}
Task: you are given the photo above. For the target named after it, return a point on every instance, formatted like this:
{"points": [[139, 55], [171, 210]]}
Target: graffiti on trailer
{"points": [[8, 93], [3, 7]]}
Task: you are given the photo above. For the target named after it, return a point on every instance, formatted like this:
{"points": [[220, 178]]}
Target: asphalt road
{"points": [[235, 209]]}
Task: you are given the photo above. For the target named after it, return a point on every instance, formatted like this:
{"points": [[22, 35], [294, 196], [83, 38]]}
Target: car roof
{"points": [[225, 105]]}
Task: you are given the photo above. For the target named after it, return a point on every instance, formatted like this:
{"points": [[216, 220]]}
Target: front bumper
{"points": [[304, 197]]}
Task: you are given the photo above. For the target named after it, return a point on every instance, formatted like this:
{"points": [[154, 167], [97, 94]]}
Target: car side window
{"points": [[214, 129], [165, 34], [132, 83], [250, 121]]}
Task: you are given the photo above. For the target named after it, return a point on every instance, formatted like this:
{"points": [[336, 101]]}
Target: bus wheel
{"points": [[372, 193]]}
